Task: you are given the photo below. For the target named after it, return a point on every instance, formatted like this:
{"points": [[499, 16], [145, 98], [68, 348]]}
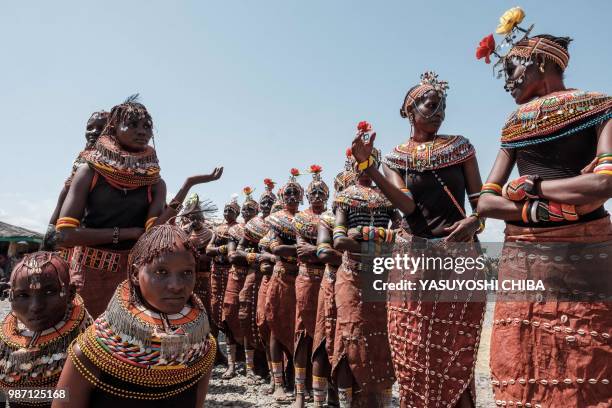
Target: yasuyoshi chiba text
{"points": [[494, 285]]}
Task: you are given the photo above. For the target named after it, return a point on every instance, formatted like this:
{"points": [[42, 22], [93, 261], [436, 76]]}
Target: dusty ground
{"points": [[237, 393]]}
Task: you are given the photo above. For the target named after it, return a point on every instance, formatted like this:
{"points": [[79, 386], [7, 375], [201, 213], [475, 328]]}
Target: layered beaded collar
{"points": [[281, 222], [38, 357], [255, 229], [122, 168], [328, 219], [549, 117], [163, 339], [443, 151], [236, 232], [359, 198], [306, 224], [222, 231]]}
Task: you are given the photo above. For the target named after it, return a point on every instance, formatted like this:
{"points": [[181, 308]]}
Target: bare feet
{"points": [[230, 372]]}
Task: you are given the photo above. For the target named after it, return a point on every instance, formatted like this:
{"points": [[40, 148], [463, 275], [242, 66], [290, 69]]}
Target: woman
{"points": [[280, 299], [362, 359], [551, 352], [46, 315], [235, 282], [152, 346], [254, 231], [95, 126], [308, 281], [427, 178], [113, 200], [323, 340]]}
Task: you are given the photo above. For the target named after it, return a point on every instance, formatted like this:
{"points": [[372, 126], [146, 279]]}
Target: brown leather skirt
{"points": [[262, 326], [280, 306], [361, 333], [434, 342], [248, 308], [231, 301], [307, 286], [555, 353], [326, 314], [218, 282], [100, 271]]}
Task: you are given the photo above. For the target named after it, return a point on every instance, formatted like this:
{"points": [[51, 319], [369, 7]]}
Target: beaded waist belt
{"points": [[66, 253], [280, 270], [97, 259], [358, 266], [311, 271], [239, 271]]}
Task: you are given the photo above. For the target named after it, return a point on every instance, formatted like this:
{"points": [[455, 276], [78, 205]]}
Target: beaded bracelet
{"points": [[222, 249], [67, 222], [150, 222], [491, 188], [481, 222], [364, 165], [323, 247], [252, 258], [340, 231], [604, 164]]}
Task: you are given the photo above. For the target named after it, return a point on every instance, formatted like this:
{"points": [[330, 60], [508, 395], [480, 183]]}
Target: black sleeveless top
{"points": [[434, 208], [560, 158], [109, 207]]}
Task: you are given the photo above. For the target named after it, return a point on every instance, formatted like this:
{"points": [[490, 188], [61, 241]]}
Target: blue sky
{"points": [[258, 87]]}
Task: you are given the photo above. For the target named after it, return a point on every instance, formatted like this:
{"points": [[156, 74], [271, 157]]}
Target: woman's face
{"points": [[248, 212], [94, 128], [291, 196], [429, 112], [134, 134], [166, 283], [229, 214], [522, 80], [266, 205], [41, 308], [317, 199]]}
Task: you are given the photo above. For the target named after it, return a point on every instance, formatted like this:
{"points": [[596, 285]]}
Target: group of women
{"points": [[128, 310]]}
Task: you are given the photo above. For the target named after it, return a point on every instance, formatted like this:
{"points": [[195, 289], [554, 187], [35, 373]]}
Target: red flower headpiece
{"points": [[315, 168], [295, 172], [349, 153], [269, 183], [486, 47], [364, 126]]}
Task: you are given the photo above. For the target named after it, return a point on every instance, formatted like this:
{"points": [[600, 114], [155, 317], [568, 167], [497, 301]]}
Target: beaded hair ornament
{"points": [[523, 50], [429, 82], [41, 263], [233, 204], [268, 192], [249, 201], [295, 173], [317, 184], [194, 208]]}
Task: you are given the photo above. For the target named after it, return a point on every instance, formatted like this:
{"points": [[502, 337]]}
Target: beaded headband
{"points": [[524, 48], [268, 193], [38, 263], [295, 173], [317, 183], [233, 204], [429, 82], [249, 202]]}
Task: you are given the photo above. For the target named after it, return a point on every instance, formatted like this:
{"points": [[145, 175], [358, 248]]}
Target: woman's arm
{"points": [[60, 202], [465, 229], [585, 188], [238, 255], [77, 387], [492, 206], [202, 390], [390, 183], [74, 207], [306, 252], [325, 252], [172, 209], [341, 241]]}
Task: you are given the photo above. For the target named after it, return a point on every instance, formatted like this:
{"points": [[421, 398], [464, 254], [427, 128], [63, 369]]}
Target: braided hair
{"points": [[128, 111]]}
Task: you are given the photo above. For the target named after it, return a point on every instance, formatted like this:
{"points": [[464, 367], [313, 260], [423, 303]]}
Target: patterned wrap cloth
{"points": [[554, 353]]}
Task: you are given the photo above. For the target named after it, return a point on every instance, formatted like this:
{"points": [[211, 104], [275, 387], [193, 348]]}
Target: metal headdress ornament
{"points": [[317, 183], [268, 193], [233, 204], [294, 174], [36, 264], [429, 82]]}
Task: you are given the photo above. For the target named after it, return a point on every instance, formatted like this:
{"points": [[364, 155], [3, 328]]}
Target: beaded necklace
{"points": [[542, 119], [125, 169], [36, 358], [255, 229], [281, 222], [443, 151], [306, 224]]}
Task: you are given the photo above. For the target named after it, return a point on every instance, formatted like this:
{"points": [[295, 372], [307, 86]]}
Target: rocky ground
{"points": [[238, 393]]}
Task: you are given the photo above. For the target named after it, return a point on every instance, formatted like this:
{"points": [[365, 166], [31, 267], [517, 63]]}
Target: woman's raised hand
{"points": [[361, 149], [206, 178]]}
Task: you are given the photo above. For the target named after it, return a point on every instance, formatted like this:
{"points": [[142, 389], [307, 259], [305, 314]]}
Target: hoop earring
{"points": [[541, 67]]}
